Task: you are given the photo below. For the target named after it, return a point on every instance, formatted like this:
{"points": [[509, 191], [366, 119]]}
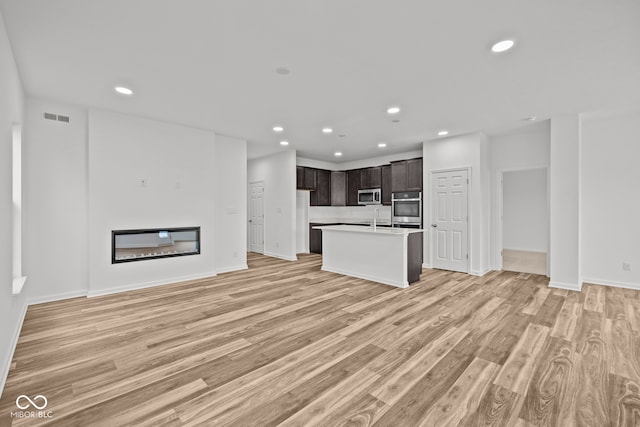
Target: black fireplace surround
{"points": [[153, 243]]}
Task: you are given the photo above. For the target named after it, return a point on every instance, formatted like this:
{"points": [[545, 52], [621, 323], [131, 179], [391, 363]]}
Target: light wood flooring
{"points": [[285, 343]]}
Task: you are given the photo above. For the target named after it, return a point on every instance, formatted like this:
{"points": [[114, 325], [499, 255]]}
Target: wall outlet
{"points": [[626, 266]]}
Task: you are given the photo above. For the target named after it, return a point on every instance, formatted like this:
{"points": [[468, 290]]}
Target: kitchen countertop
{"points": [[370, 230], [358, 221]]}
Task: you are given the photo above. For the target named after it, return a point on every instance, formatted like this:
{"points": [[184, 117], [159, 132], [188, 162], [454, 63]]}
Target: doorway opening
{"points": [[525, 221]]}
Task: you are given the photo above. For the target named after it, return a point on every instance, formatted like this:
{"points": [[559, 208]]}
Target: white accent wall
{"points": [[564, 203], [12, 307], [611, 199], [526, 217], [278, 171], [457, 152], [176, 164], [56, 240], [230, 197]]}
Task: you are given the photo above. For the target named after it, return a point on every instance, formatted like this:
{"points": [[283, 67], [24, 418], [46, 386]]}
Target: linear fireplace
{"points": [[138, 245]]}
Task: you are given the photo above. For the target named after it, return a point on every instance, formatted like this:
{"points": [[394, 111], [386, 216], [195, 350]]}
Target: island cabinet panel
{"points": [[322, 195], [414, 256], [353, 185], [385, 184], [338, 188], [406, 175], [375, 177]]}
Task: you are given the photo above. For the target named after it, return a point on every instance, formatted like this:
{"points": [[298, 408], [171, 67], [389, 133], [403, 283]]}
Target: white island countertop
{"points": [[392, 256], [369, 229]]}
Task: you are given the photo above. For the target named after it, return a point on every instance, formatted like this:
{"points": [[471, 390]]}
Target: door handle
{"points": [[434, 225]]}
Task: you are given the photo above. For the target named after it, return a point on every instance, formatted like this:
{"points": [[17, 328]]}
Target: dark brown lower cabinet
{"points": [[315, 238]]}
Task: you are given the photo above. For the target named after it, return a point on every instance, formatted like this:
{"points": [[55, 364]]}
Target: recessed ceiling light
{"points": [[284, 142], [393, 110], [382, 145], [123, 90], [278, 128], [327, 130], [337, 153], [502, 46], [443, 133]]}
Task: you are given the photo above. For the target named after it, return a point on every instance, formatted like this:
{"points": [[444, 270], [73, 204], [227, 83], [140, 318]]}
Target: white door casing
{"points": [[256, 217], [450, 220]]}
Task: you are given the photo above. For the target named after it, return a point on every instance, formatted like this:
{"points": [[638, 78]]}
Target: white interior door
{"points": [[256, 217], [450, 220]]}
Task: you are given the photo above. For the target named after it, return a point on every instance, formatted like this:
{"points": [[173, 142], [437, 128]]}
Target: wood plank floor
{"points": [[285, 343]]}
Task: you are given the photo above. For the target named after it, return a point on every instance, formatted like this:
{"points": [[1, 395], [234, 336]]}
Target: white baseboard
{"points": [[534, 251], [568, 286], [12, 348], [480, 273], [230, 269], [424, 265], [136, 286], [57, 297], [613, 283], [395, 283], [284, 257]]}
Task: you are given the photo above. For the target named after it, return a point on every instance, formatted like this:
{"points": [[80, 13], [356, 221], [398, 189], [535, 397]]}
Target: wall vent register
{"points": [[138, 245]]}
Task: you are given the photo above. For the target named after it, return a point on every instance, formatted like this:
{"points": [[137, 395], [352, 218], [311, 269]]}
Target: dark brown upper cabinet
{"points": [[375, 174], [353, 185], [322, 195], [306, 178], [365, 178], [386, 184], [406, 175], [338, 188]]}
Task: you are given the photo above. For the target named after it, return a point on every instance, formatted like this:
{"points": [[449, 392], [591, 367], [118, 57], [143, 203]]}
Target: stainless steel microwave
{"points": [[369, 197]]}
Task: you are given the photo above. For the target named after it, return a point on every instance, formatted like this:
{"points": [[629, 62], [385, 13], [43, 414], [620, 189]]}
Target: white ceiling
{"points": [[211, 64]]}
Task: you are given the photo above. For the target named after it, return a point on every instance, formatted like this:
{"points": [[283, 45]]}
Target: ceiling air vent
{"points": [[50, 116], [63, 118], [57, 117]]}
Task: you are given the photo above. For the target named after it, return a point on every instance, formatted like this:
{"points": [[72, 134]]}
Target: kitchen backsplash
{"points": [[349, 212]]}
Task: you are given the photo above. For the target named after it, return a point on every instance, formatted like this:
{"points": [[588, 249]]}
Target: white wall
{"points": [[177, 163], [525, 226], [56, 241], [12, 308], [525, 148], [357, 164], [564, 203], [302, 222], [230, 168], [278, 171], [461, 152], [611, 199]]}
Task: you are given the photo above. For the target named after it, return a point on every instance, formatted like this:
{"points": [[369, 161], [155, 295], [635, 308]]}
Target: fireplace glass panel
{"points": [[137, 245]]}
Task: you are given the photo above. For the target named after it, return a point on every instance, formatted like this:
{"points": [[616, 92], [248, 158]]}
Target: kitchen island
{"points": [[392, 256]]}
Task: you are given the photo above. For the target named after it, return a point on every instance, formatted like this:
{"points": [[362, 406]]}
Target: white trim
{"points": [[479, 273], [613, 283], [12, 348], [135, 286], [234, 268], [524, 250], [396, 283], [18, 284], [284, 257], [57, 297], [425, 265], [568, 286]]}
